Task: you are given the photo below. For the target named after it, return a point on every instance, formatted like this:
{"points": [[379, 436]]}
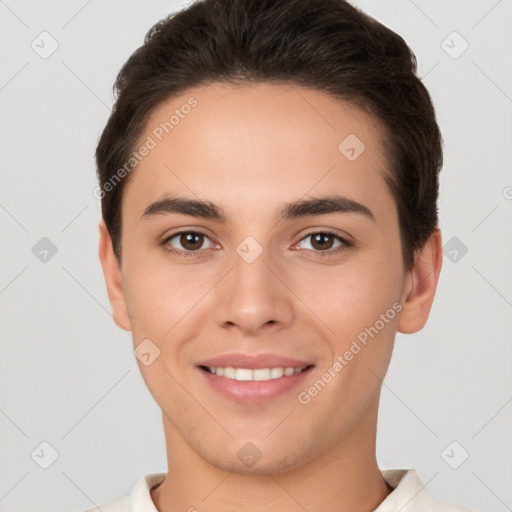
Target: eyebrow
{"points": [[295, 209]]}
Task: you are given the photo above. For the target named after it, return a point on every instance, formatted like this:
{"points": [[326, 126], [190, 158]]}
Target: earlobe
{"points": [[113, 278], [420, 285]]}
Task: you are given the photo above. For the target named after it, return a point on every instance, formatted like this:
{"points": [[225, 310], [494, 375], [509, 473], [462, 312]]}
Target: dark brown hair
{"points": [[328, 45]]}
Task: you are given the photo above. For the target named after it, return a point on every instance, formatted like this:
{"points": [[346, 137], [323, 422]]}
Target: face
{"points": [[262, 273]]}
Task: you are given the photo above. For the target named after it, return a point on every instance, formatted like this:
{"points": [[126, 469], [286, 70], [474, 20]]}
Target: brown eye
{"points": [[191, 241], [322, 241], [187, 242]]}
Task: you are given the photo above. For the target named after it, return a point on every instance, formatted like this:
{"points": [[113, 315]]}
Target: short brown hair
{"points": [[327, 45]]}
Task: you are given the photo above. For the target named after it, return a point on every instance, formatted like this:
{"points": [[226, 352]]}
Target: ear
{"points": [[113, 279], [420, 285]]}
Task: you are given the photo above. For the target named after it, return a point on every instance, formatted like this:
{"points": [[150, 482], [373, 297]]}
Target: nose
{"points": [[254, 296]]}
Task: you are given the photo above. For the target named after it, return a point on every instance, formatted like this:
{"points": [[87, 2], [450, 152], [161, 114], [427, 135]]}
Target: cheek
{"points": [[361, 311], [348, 298], [158, 293]]}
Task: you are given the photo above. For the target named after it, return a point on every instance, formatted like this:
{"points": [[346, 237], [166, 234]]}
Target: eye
{"points": [[186, 242], [325, 242]]}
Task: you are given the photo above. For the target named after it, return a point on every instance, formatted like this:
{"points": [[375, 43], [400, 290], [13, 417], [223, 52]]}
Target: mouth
{"points": [[251, 379], [256, 374]]}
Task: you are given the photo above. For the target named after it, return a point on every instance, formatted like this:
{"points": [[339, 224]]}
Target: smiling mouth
{"points": [[254, 374]]}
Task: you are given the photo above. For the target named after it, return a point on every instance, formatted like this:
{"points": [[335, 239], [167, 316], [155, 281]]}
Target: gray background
{"points": [[67, 373]]}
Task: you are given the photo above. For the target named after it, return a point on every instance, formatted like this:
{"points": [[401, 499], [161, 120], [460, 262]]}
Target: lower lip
{"points": [[251, 391]]}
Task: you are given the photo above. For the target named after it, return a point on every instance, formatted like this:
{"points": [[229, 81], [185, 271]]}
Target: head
{"points": [[245, 123]]}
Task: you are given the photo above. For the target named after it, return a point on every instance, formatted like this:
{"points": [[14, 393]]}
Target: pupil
{"points": [[188, 241], [323, 240]]}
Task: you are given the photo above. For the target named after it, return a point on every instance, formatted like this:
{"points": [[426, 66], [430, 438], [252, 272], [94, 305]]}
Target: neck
{"points": [[342, 479]]}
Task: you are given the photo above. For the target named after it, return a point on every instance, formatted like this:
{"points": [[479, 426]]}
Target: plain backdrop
{"points": [[68, 377]]}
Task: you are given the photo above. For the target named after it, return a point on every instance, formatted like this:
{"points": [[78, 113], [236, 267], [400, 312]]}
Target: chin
{"points": [[267, 460]]}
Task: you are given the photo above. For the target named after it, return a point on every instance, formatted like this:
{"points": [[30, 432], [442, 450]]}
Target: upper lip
{"points": [[253, 361]]}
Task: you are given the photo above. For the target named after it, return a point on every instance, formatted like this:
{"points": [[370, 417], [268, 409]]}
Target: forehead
{"points": [[243, 144]]}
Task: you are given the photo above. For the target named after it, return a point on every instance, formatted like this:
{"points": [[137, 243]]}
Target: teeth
{"points": [[261, 374], [275, 373], [243, 374], [229, 372], [258, 374]]}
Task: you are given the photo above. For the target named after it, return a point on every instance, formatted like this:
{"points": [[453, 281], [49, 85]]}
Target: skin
{"points": [[250, 150]]}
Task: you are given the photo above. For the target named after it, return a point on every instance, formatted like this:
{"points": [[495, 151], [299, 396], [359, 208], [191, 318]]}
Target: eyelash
{"points": [[329, 252]]}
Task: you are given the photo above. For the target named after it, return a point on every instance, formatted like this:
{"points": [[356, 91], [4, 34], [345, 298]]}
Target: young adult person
{"points": [[269, 184]]}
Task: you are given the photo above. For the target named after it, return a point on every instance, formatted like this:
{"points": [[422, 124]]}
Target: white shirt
{"points": [[408, 495]]}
